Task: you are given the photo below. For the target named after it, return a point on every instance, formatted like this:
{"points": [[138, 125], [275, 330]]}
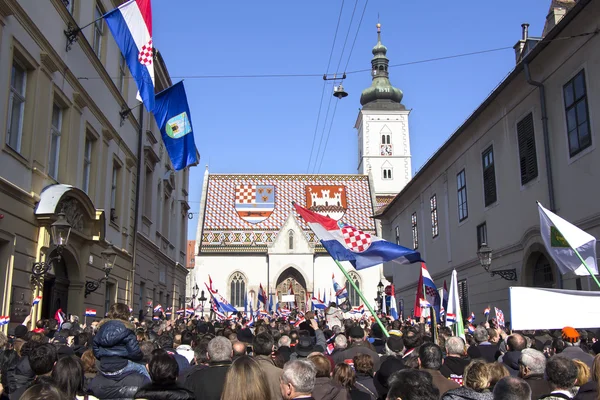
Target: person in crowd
{"points": [[207, 383], [476, 383], [185, 348], [497, 371], [394, 346], [263, 345], [413, 338], [363, 365], [430, 361], [284, 347], [20, 374], [358, 345], [43, 391], [165, 342], [69, 378], [410, 384], [41, 360], [561, 374], [484, 349], [494, 337], [512, 388], [164, 370], [557, 347], [583, 375], [89, 368], [532, 365], [456, 359], [345, 376], [246, 380], [515, 343], [589, 390], [239, 349], [340, 343], [8, 360], [387, 369], [298, 380], [334, 315], [573, 350], [326, 388]]}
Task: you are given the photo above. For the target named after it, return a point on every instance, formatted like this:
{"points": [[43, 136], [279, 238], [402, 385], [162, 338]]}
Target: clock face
{"points": [[386, 150]]}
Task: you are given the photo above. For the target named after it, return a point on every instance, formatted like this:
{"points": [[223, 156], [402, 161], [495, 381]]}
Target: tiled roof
{"points": [[225, 230]]}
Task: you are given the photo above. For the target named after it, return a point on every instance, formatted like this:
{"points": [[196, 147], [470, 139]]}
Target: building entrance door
{"points": [[291, 281], [56, 290]]}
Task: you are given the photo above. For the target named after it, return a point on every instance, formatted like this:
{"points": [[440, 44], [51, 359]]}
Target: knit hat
{"points": [[570, 334]]}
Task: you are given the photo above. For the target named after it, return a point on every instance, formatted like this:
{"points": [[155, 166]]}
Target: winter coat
{"points": [[442, 383], [556, 396], [163, 392], [273, 374], [334, 317], [485, 351], [182, 362], [454, 368], [20, 375], [116, 338], [186, 351], [326, 389], [576, 353], [121, 385], [465, 393], [356, 394], [364, 383], [207, 383], [359, 347], [539, 386], [511, 362], [8, 362], [588, 391]]}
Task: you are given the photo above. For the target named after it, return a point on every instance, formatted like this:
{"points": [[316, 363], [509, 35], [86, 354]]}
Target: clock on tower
{"points": [[386, 150]]}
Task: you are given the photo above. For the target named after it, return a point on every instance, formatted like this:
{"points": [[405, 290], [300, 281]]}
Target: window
{"points": [[122, 74], [387, 173], [386, 139], [415, 230], [148, 193], [576, 109], [55, 130], [434, 216], [238, 289], [542, 273], [16, 106], [114, 188], [463, 298], [481, 235], [98, 31], [527, 152], [109, 295], [353, 296], [489, 176], [461, 184], [142, 299], [398, 235], [291, 240], [70, 5], [87, 164]]}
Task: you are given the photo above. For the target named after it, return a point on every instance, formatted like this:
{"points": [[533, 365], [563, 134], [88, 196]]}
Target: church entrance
{"points": [[291, 281], [56, 289]]}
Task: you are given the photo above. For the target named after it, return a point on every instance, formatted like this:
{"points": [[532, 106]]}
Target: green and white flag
{"points": [[453, 314], [564, 241]]}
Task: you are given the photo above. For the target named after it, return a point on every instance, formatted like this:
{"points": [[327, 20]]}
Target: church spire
{"points": [[381, 90]]}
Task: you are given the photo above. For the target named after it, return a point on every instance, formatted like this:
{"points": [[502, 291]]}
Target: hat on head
{"points": [[20, 331], [570, 334], [305, 346], [356, 332], [66, 325], [388, 367], [395, 344]]}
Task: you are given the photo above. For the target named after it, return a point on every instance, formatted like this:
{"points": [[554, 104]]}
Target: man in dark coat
{"points": [[207, 383], [484, 348], [357, 346], [532, 366], [165, 342], [515, 343], [42, 360], [456, 360], [430, 361]]}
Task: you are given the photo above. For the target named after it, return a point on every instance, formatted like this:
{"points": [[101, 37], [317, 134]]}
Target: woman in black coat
{"points": [[589, 391], [163, 370]]}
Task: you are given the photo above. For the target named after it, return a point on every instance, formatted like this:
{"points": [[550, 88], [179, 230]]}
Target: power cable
{"points": [[356, 36], [322, 134], [347, 34], [328, 134]]}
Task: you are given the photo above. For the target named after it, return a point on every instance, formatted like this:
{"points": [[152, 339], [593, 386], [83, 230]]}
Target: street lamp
{"points": [[202, 299], [109, 257], [380, 289], [59, 237], [485, 259], [195, 289]]}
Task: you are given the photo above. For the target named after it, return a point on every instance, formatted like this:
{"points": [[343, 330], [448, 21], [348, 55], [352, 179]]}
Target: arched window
{"points": [[387, 173], [291, 240], [237, 286], [386, 139], [542, 273], [353, 296]]}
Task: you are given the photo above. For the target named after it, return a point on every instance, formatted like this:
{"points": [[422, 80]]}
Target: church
{"points": [[249, 235]]}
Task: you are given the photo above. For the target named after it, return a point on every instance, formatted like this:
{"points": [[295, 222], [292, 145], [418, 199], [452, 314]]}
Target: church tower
{"points": [[382, 125]]}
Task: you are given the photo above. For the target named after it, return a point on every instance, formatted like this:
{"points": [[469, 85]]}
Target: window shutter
{"points": [[527, 150], [489, 177]]}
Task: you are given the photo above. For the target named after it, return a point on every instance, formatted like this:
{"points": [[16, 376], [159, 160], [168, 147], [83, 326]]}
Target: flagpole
{"points": [[433, 325], [362, 297]]}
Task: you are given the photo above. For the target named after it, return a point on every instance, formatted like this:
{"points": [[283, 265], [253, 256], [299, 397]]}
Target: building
{"points": [[248, 234], [532, 139], [65, 148]]}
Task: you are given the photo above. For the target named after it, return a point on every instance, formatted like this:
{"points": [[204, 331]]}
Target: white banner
{"points": [[288, 298], [537, 308]]}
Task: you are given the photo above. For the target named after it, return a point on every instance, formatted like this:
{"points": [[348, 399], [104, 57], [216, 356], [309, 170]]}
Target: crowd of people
{"points": [[329, 358]]}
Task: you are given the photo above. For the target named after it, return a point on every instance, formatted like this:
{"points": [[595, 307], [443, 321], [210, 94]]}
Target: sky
{"points": [[268, 125]]}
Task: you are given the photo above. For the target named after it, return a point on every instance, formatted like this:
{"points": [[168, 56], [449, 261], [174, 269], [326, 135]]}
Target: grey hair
{"points": [[220, 349], [455, 345], [301, 374], [284, 341], [481, 334], [341, 342], [534, 360]]}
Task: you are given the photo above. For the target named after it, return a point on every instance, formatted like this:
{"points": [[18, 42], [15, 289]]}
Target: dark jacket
{"points": [[464, 393], [358, 348], [442, 383], [510, 360], [326, 389], [484, 351], [16, 395], [364, 383], [116, 338], [20, 375], [117, 385], [182, 362], [356, 394], [539, 386], [454, 368], [164, 392], [576, 353], [207, 383], [588, 391]]}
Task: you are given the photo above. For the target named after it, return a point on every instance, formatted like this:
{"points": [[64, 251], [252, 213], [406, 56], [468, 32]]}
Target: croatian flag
{"points": [[90, 313], [4, 320], [60, 317], [357, 310], [299, 321], [471, 318], [426, 290], [262, 296], [220, 301], [500, 317], [393, 307], [486, 312], [450, 318], [36, 301], [346, 243], [318, 304], [189, 310], [340, 292], [471, 328], [180, 311], [131, 26], [155, 318], [158, 308]]}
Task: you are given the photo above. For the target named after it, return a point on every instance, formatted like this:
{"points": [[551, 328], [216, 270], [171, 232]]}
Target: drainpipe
{"points": [[136, 213], [546, 134]]}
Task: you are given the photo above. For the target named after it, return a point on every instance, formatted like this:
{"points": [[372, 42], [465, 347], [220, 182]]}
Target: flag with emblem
{"points": [[500, 317], [426, 290], [340, 292], [453, 313], [173, 117], [346, 243], [568, 245], [131, 26], [254, 203]]}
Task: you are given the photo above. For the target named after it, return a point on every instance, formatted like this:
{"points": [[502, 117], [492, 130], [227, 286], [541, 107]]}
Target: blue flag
{"points": [[174, 119]]}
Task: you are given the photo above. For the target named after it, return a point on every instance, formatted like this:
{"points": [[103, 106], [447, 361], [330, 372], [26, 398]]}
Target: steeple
{"points": [[381, 93]]}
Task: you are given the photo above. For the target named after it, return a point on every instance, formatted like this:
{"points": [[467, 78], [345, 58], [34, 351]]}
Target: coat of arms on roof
{"points": [[254, 203], [328, 200]]}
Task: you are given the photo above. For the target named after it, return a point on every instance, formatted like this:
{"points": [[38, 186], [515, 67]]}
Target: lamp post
{"points": [[109, 256], [195, 289], [380, 289], [59, 237], [202, 299], [485, 259]]}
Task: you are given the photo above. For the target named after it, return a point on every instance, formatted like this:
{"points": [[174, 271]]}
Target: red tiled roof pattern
{"points": [[224, 227], [382, 201]]}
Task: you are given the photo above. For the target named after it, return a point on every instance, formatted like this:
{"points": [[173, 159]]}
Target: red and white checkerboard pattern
{"points": [[146, 54], [429, 291], [356, 240], [245, 194]]}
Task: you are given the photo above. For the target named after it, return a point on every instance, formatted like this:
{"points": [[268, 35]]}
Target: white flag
{"points": [[453, 314], [561, 238]]}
